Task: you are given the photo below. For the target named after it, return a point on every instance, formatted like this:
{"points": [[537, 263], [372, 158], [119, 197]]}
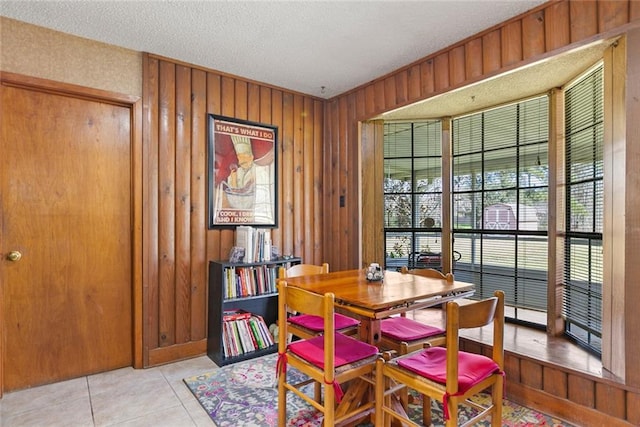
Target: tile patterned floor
{"points": [[124, 397]]}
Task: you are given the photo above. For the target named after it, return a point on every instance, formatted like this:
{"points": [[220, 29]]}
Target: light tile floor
{"points": [[124, 397]]}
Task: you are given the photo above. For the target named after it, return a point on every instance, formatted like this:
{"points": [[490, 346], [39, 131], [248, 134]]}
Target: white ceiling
{"points": [[303, 46]]}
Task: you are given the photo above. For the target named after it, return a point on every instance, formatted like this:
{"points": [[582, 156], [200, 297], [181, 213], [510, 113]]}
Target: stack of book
{"points": [[240, 282], [256, 243], [244, 332]]}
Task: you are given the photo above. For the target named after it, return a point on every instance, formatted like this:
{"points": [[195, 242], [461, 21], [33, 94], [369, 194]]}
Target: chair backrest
{"points": [[303, 270], [428, 272], [291, 299], [474, 315]]}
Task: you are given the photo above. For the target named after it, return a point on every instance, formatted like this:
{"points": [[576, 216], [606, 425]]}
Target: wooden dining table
{"points": [[371, 301]]}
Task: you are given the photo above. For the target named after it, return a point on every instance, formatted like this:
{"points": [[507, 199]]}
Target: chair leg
{"points": [[282, 400], [317, 392], [404, 397], [426, 410], [329, 406], [453, 412], [380, 387], [496, 397]]}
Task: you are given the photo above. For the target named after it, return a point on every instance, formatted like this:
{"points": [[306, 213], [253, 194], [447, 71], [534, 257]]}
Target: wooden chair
{"points": [[330, 360], [448, 374], [404, 335], [307, 325]]}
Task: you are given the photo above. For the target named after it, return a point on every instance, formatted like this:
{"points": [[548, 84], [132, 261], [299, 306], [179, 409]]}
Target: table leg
{"points": [[370, 330]]}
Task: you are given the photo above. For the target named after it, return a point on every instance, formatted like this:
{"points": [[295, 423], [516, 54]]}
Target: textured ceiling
{"points": [[303, 46]]}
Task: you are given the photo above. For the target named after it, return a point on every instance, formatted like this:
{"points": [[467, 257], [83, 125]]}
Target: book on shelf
{"points": [[235, 314], [240, 282], [243, 334], [256, 243]]}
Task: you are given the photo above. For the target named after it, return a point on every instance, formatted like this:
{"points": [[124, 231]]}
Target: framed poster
{"points": [[242, 165]]}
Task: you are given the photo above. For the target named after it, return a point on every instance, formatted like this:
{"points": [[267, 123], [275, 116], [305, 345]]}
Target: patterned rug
{"points": [[246, 394]]}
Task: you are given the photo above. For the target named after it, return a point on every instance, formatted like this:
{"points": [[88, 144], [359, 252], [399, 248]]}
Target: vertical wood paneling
{"points": [[633, 408], [511, 42], [533, 42], [214, 106], [556, 19], [379, 93], [166, 204], [318, 182], [531, 374], [631, 134], [581, 391], [198, 205], [473, 58], [610, 400], [369, 100], [457, 66], [401, 85], [361, 106], [332, 189], [177, 242], [554, 382], [183, 205], [343, 213], [390, 100], [491, 56], [230, 95], [372, 136], [634, 10], [427, 78], [253, 102], [584, 19], [413, 84], [612, 14], [441, 72], [308, 220], [300, 199], [288, 174], [512, 368], [150, 160], [353, 236], [277, 120]]}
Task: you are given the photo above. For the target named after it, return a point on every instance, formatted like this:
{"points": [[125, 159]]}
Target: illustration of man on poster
{"points": [[244, 174]]}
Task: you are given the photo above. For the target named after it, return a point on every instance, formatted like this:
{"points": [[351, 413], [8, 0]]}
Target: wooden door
{"points": [[65, 184]]}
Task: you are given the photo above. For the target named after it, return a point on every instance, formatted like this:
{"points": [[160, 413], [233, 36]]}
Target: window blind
{"points": [[500, 194], [582, 302]]}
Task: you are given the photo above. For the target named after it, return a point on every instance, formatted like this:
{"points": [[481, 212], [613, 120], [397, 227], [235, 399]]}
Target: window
{"points": [[500, 197], [582, 303], [412, 194]]}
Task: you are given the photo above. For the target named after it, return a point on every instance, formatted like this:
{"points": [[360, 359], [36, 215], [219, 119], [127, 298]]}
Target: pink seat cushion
{"points": [[316, 323], [403, 329], [431, 363], [347, 350]]}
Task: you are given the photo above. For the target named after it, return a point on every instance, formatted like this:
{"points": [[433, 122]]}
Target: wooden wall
{"points": [[177, 244], [576, 397], [542, 32], [329, 195]]}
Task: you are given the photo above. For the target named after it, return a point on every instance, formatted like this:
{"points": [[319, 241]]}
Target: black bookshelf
{"points": [[262, 304]]}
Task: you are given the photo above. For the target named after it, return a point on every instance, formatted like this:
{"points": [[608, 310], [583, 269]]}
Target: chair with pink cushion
{"points": [[306, 325], [404, 335], [446, 373], [330, 359]]}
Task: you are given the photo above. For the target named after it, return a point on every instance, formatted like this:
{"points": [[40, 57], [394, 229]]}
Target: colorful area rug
{"points": [[246, 394]]}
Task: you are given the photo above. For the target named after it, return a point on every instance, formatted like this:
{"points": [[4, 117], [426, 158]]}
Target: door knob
{"points": [[14, 256]]}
